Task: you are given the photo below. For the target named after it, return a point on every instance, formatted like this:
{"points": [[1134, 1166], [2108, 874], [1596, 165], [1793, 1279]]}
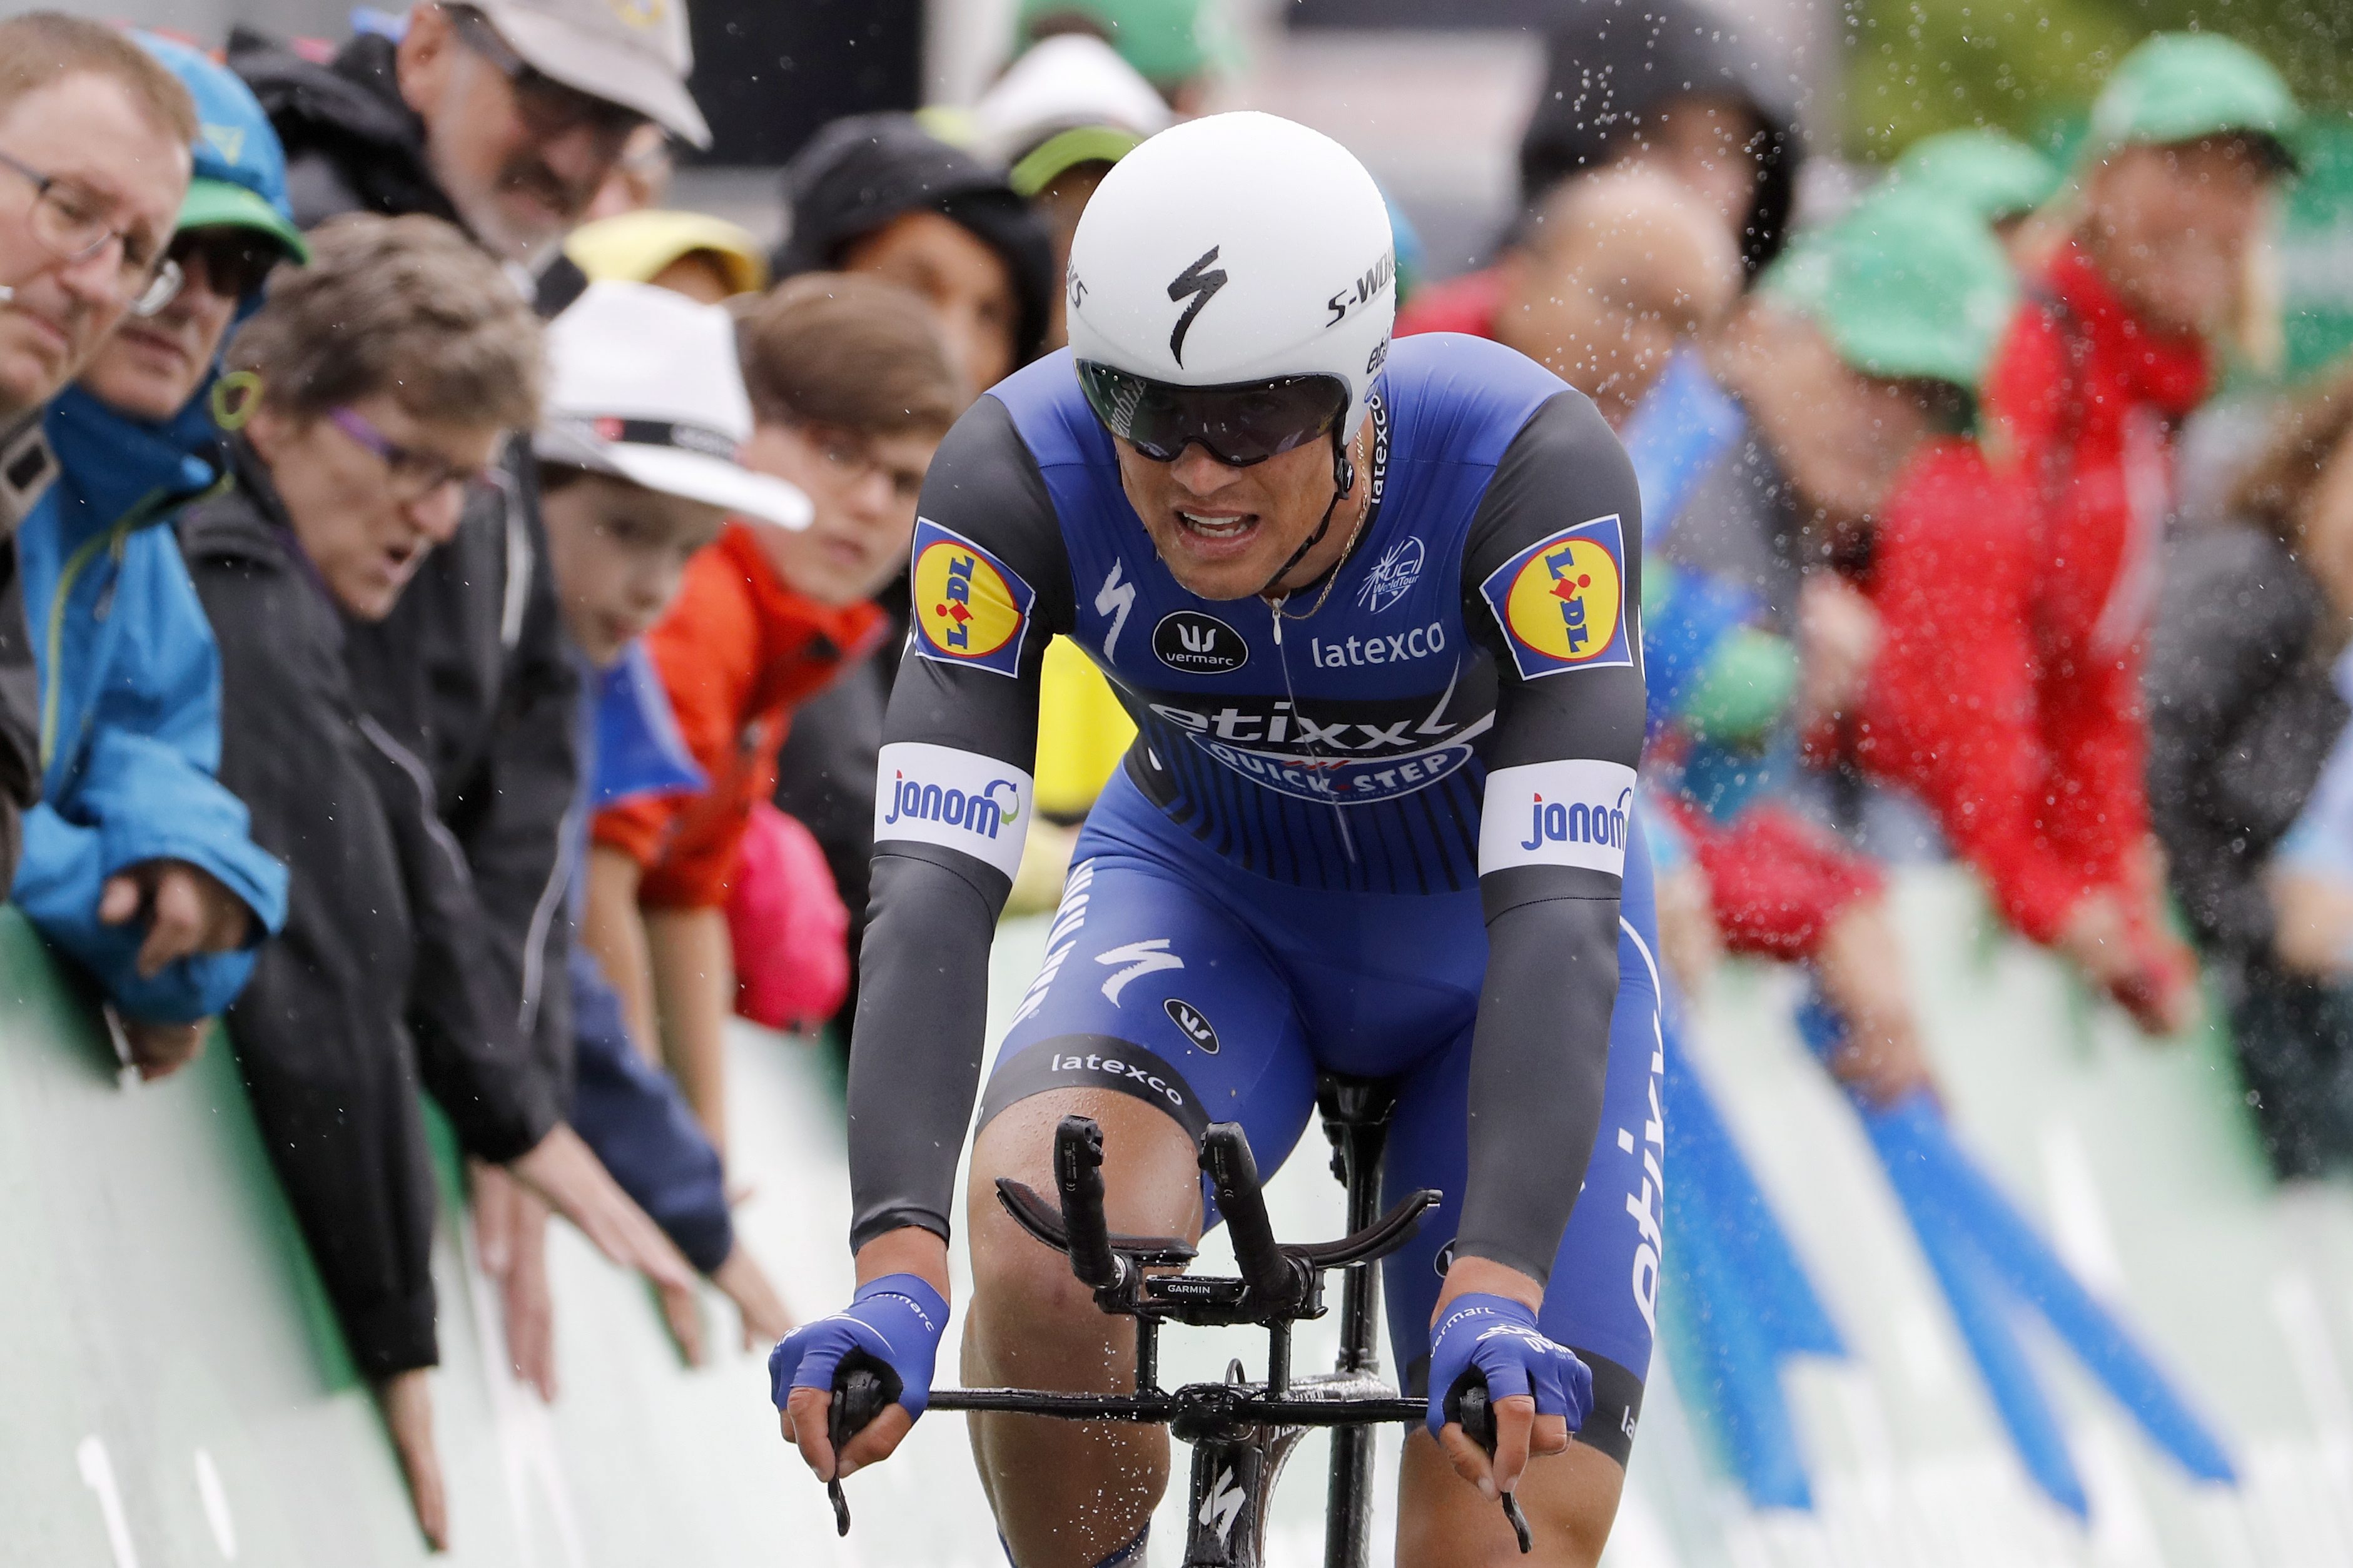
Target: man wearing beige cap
{"points": [[504, 116]]}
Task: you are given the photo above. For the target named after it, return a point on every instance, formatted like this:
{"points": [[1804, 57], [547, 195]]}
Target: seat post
{"points": [[1355, 1113]]}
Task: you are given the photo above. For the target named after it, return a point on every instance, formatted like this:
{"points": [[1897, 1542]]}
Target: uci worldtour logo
{"points": [[982, 813], [1394, 572]]}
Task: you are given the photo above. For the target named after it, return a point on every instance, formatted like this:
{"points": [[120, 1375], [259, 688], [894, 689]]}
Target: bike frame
{"points": [[1241, 1433]]}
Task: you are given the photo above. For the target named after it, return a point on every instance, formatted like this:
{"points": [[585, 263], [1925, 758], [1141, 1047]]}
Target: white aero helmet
{"points": [[1227, 253]]}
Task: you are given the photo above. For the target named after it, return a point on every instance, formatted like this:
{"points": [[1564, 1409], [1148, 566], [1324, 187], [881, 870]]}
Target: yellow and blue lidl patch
{"points": [[1562, 601], [971, 608]]}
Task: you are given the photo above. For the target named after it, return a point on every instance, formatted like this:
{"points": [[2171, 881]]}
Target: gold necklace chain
{"points": [[1331, 578]]}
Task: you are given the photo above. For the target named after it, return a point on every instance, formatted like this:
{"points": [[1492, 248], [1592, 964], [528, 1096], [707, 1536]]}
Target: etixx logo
{"points": [[1561, 602], [970, 608], [1197, 644]]}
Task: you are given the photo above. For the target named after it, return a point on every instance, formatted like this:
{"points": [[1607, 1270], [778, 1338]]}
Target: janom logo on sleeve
{"points": [[1561, 602], [970, 608]]}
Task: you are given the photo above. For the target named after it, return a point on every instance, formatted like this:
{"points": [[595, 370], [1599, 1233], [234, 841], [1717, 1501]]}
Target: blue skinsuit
{"points": [[1383, 837]]}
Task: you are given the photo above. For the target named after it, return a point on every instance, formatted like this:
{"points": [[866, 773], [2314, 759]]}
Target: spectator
{"points": [[1861, 365], [507, 118], [879, 193], [388, 373], [1663, 84], [2243, 708], [1058, 119], [504, 118], [1622, 269], [703, 257], [93, 142], [851, 391], [626, 511], [1995, 175], [1177, 46], [640, 176], [2187, 138], [137, 861]]}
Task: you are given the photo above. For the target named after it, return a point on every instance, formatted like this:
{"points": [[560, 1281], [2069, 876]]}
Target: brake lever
{"points": [[858, 1396], [1478, 1419]]}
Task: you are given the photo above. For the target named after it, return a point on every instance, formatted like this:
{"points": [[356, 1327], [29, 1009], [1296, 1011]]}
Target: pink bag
{"points": [[788, 925]]}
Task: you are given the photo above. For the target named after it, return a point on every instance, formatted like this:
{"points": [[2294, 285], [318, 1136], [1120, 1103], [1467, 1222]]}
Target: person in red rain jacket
{"points": [[2013, 656]]}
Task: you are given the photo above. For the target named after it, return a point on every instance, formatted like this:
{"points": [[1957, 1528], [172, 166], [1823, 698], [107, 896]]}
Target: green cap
{"points": [[1167, 41], [2179, 86], [217, 203], [1910, 283], [1992, 173]]}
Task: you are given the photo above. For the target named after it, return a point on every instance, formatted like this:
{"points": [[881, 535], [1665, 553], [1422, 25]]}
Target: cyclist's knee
{"points": [[1151, 1187], [1570, 1500]]}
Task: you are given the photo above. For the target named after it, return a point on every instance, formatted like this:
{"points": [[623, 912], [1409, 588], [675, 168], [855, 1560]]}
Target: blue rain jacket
{"points": [[130, 706]]}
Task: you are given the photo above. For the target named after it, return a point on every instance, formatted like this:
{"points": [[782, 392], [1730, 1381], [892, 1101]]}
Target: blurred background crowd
{"points": [[461, 464]]}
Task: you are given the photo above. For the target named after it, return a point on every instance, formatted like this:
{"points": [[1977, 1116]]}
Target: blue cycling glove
{"points": [[896, 1320], [1496, 1338]]}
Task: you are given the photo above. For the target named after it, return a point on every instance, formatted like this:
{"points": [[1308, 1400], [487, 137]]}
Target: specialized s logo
{"points": [[1562, 601], [1202, 285], [970, 608]]}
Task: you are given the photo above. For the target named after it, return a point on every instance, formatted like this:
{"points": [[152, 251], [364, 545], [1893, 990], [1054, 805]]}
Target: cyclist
{"points": [[1372, 609]]}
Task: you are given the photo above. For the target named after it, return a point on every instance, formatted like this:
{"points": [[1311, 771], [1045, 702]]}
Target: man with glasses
{"points": [[138, 862], [93, 161], [504, 118]]}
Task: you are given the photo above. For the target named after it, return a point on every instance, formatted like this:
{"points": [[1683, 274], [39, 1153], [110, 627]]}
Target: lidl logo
{"points": [[1561, 602], [642, 13], [970, 608]]}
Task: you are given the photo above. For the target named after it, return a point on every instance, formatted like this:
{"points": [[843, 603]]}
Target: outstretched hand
{"points": [[567, 1172], [188, 909]]}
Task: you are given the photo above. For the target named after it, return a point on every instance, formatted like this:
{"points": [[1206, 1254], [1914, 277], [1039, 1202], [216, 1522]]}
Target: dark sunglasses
{"points": [[1238, 425], [550, 108], [236, 260]]}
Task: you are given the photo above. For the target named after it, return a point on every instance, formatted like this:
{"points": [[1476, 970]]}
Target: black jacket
{"points": [[382, 915], [2241, 714], [471, 670], [26, 468], [1612, 62]]}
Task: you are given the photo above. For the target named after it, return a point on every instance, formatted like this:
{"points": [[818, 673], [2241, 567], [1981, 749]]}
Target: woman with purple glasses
{"points": [[370, 392]]}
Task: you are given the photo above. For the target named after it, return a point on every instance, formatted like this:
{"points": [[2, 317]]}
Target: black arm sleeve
{"points": [[916, 1045], [1540, 1051]]}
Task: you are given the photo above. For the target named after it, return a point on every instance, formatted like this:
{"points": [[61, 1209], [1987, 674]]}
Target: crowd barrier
{"points": [[176, 1394]]}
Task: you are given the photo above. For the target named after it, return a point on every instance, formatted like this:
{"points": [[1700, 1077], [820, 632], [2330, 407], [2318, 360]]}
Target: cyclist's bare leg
{"points": [[1570, 1500], [1066, 1495]]}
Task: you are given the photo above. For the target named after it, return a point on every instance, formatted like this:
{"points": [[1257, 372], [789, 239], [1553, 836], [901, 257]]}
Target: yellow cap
{"points": [[634, 247]]}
